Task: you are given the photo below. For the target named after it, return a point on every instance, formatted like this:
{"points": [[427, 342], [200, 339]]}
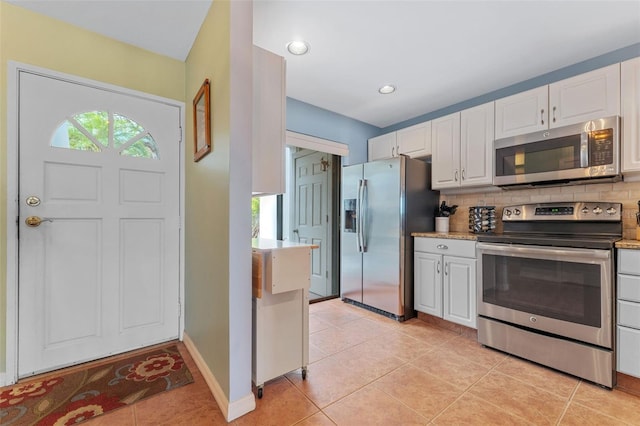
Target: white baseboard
{"points": [[3, 379], [230, 410]]}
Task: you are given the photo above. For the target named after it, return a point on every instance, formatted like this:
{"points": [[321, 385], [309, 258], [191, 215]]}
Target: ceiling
{"points": [[437, 53]]}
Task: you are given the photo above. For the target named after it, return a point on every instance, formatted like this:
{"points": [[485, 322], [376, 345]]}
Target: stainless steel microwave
{"points": [[579, 151]]}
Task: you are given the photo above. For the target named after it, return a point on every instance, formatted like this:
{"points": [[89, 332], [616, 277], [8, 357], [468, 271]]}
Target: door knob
{"points": [[34, 221]]}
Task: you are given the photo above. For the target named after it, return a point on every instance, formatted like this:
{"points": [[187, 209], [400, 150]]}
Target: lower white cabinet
{"points": [[628, 308], [445, 279]]}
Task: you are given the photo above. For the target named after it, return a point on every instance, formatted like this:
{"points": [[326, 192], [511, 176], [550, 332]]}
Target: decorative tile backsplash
{"points": [[627, 193]]}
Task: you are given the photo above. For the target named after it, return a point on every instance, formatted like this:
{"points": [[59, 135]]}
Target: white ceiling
{"points": [[437, 53]]}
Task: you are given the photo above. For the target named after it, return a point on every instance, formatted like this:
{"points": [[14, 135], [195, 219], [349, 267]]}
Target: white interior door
{"points": [[311, 214], [100, 273]]}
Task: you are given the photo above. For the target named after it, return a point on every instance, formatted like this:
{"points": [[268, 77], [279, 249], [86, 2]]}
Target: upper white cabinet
{"points": [[462, 148], [522, 113], [587, 96], [476, 145], [414, 141], [445, 161], [383, 146], [630, 89], [269, 126]]}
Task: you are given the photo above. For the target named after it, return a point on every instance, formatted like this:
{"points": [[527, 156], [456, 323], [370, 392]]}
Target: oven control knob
{"points": [[585, 210], [611, 211], [517, 212], [597, 210], [507, 213]]}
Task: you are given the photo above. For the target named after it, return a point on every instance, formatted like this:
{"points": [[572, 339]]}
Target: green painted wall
{"points": [[218, 199]]}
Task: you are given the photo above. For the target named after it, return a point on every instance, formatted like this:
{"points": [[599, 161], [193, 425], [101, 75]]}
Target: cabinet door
{"points": [[383, 146], [522, 113], [628, 351], [427, 269], [476, 145], [415, 141], [459, 287], [588, 96], [445, 163], [630, 89], [269, 103]]}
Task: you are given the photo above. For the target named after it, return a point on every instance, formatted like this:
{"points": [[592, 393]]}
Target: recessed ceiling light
{"points": [[386, 89], [298, 47]]}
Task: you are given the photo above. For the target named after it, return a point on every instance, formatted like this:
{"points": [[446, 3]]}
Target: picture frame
{"points": [[202, 122]]}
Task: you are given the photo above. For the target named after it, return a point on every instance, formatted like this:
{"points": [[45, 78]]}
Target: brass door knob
{"points": [[34, 221]]}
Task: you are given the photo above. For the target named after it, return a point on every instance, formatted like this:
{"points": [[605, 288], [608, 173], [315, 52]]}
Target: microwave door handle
{"points": [[584, 149]]}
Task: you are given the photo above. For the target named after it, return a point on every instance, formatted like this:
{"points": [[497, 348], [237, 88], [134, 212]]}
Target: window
{"points": [[99, 130]]}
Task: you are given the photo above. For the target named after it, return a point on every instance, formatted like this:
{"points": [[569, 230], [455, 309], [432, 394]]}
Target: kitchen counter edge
{"points": [[450, 235], [628, 244]]}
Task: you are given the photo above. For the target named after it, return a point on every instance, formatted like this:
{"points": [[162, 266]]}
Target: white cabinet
{"points": [[476, 145], [587, 96], [630, 90], [269, 126], [522, 113], [383, 146], [281, 273], [445, 162], [628, 309], [463, 148], [413, 141], [445, 279]]}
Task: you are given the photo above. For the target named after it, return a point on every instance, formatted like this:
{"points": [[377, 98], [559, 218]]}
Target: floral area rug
{"points": [[74, 397]]}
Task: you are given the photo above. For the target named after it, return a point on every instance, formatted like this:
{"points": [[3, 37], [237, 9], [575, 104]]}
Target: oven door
{"points": [[563, 291]]}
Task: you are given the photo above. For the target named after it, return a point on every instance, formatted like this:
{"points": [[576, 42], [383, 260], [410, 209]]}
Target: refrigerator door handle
{"points": [[359, 217], [364, 211]]}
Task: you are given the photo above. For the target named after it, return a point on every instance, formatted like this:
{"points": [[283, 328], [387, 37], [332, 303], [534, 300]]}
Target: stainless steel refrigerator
{"points": [[383, 202]]}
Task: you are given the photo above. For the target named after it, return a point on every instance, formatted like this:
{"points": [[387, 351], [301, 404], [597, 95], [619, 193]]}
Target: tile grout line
{"points": [[568, 403]]}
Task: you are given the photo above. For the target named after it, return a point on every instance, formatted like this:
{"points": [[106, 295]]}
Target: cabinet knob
{"points": [[542, 116], [554, 114], [442, 247], [456, 176]]}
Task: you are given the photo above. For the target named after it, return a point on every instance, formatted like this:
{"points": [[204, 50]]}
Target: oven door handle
{"points": [[542, 252]]}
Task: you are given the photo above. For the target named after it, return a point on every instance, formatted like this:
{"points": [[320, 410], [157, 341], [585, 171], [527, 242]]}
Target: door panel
{"points": [[311, 206], [350, 256], [100, 274], [382, 233]]}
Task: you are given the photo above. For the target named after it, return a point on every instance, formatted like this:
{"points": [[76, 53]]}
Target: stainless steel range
{"points": [[546, 286]]}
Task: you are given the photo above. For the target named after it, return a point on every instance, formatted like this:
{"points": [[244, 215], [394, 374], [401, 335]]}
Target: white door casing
{"points": [[103, 276], [311, 214]]}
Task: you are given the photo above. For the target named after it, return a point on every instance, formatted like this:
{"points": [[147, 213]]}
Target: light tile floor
{"points": [[368, 370]]}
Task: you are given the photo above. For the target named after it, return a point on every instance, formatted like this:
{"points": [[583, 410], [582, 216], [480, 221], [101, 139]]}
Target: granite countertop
{"points": [[628, 244], [449, 235]]}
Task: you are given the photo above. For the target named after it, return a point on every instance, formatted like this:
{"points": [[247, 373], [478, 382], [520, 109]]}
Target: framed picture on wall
{"points": [[202, 122]]}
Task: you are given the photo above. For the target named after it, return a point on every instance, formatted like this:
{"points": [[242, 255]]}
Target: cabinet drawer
{"points": [[629, 288], [629, 314], [629, 262], [445, 246], [629, 351]]}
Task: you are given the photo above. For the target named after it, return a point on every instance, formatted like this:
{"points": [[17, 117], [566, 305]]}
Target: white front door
{"points": [[311, 216], [100, 273]]}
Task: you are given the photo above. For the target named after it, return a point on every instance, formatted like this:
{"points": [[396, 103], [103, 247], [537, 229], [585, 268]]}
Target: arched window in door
{"points": [[101, 130]]}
